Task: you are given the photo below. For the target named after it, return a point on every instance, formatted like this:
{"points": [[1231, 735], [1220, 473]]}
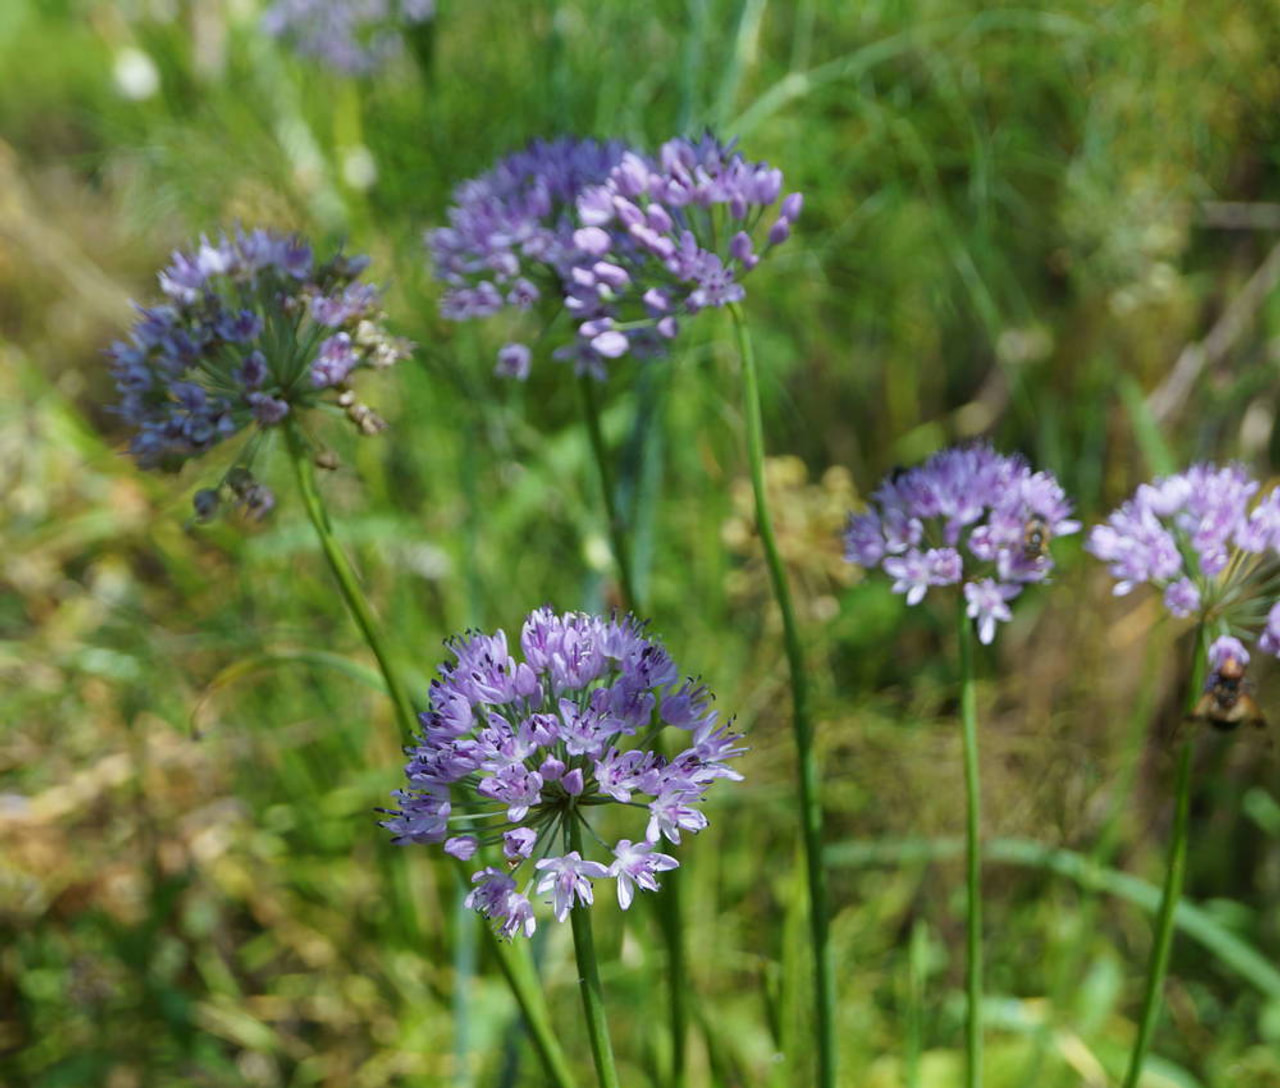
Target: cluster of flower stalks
{"points": [[584, 756]]}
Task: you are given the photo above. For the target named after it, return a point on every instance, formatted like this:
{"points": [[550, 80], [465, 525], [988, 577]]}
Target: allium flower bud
{"points": [[970, 515], [513, 753], [252, 330]]}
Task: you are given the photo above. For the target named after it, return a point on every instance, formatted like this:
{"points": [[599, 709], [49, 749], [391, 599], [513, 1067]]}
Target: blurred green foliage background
{"points": [[1051, 225]]}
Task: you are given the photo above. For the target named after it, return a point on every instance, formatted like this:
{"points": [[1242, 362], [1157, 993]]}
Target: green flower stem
{"points": [[517, 968], [617, 531], [352, 594], [973, 853], [810, 800], [1162, 942], [668, 903], [515, 965], [584, 949]]}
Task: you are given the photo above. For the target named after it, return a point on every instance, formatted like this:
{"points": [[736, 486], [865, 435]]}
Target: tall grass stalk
{"points": [[514, 963], [584, 949], [810, 799], [973, 852], [668, 904], [1175, 873]]}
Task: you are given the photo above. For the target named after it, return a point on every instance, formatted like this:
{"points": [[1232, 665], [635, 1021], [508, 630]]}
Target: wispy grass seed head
{"points": [[967, 515], [513, 753]]}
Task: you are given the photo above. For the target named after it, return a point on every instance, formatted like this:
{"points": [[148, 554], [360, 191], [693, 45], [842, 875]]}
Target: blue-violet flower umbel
{"points": [[252, 329], [968, 514], [625, 243], [512, 751], [1201, 538], [354, 37]]}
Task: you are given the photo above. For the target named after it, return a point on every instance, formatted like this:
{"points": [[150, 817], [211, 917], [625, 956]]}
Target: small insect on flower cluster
{"points": [[625, 243], [970, 515], [1213, 547], [252, 330], [528, 755], [1227, 701]]}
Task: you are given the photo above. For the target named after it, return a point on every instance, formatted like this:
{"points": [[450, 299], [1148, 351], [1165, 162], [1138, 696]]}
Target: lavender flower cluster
{"points": [[350, 36], [509, 242], [627, 244], [1200, 538], [252, 329], [970, 515], [526, 755]]}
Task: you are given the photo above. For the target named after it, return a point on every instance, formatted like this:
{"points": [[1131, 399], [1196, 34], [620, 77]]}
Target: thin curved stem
{"points": [[810, 799], [347, 581], [668, 902], [670, 920], [617, 530], [584, 950], [1175, 873], [973, 853], [515, 965], [518, 970]]}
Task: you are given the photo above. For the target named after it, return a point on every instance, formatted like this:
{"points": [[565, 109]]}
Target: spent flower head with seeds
{"points": [[967, 515], [626, 244], [1204, 539], [354, 37], [515, 754], [252, 331]]}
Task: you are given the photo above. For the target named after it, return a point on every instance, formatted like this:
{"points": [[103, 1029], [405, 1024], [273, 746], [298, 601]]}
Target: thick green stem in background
{"points": [[1162, 941], [352, 594], [515, 965], [973, 853], [810, 799], [668, 904], [617, 531], [584, 950]]}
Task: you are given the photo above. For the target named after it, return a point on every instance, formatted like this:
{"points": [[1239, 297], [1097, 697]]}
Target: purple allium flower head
{"points": [[512, 237], [968, 514], [1201, 538], [252, 330], [682, 226], [625, 243], [516, 753], [354, 37]]}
